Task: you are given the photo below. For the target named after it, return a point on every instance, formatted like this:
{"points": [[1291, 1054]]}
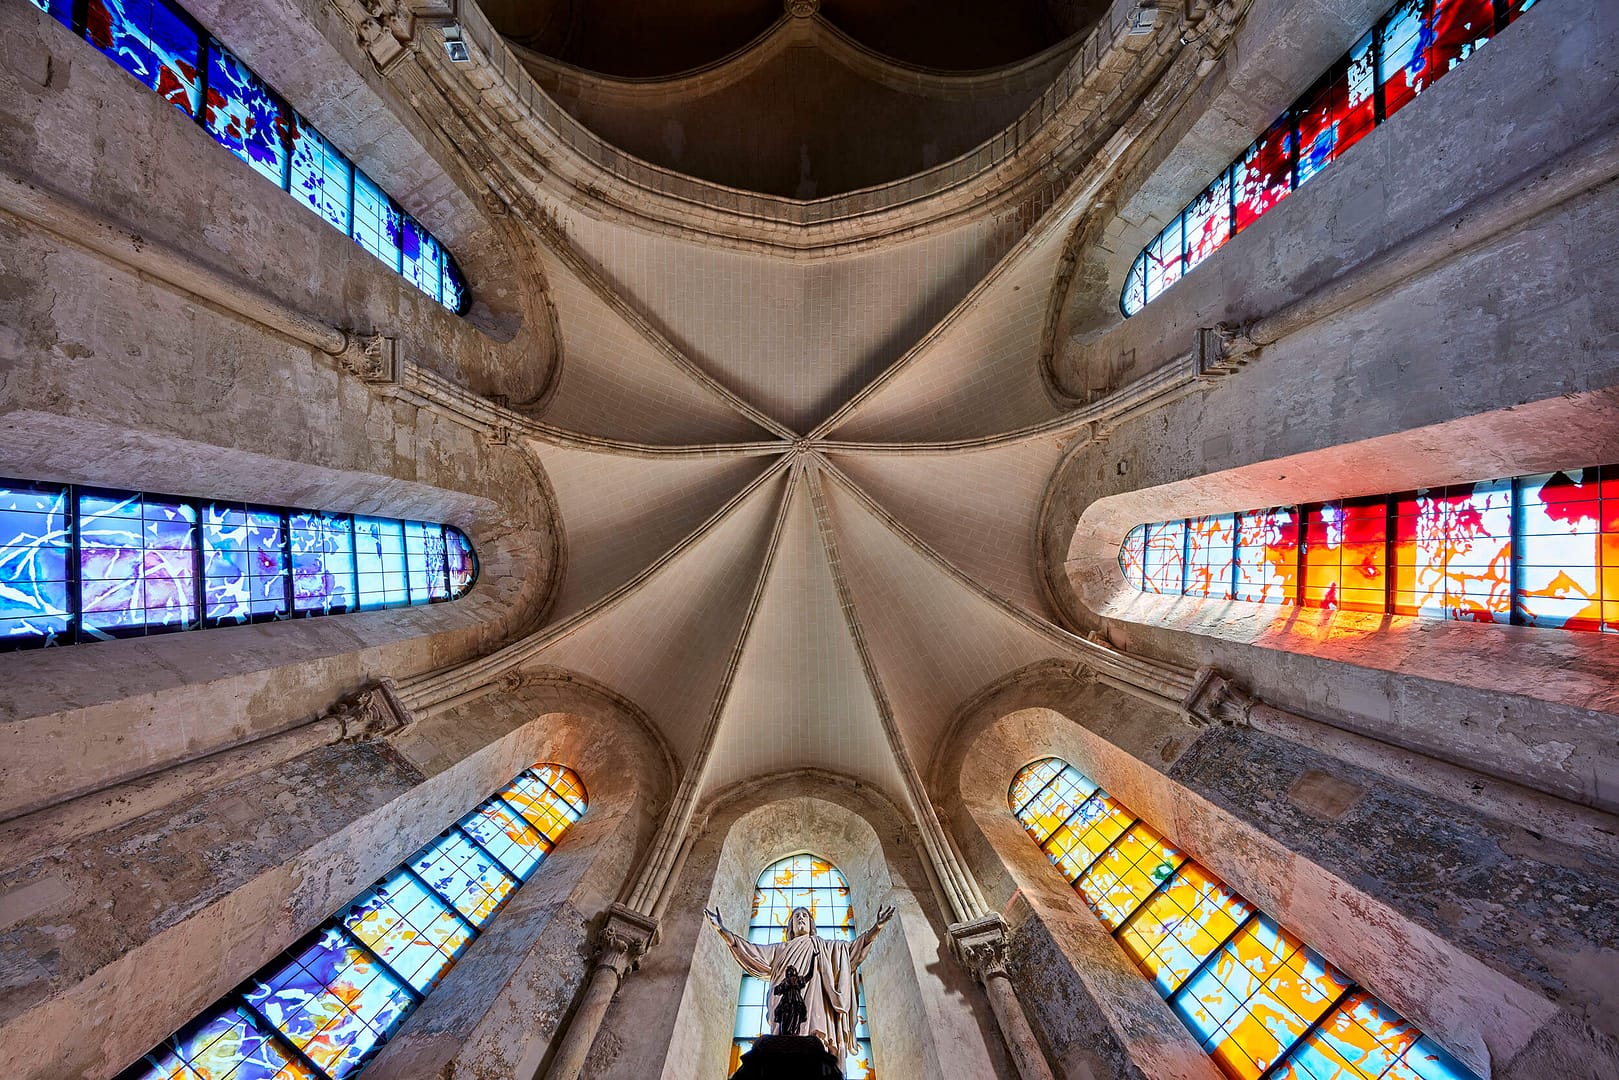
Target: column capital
{"points": [[981, 945], [370, 713], [624, 937]]}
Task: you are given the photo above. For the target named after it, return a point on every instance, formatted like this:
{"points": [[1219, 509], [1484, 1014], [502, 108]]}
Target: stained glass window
{"points": [[1260, 1001], [1412, 46], [80, 564], [163, 46], [797, 881], [322, 1009], [1535, 550]]}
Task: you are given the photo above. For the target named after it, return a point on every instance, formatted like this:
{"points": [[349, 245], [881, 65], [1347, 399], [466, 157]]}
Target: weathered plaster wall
{"points": [[108, 378], [675, 1017], [1486, 933]]}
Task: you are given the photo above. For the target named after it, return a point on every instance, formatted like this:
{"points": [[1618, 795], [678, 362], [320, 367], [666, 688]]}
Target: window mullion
{"points": [[1203, 964], [1315, 1025], [475, 842], [445, 900], [281, 1039], [1018, 813], [416, 995], [508, 804], [75, 575]]}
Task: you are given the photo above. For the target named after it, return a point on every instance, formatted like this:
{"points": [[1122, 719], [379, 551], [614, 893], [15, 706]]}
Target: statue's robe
{"points": [[830, 1000]]}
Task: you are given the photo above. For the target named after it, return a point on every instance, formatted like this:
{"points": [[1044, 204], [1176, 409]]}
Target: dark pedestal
{"points": [[788, 1057]]}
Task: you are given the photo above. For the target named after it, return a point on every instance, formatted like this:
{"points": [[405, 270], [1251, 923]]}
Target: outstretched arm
{"points": [[754, 959], [863, 942]]}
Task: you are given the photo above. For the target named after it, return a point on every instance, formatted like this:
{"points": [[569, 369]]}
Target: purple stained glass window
{"points": [[244, 116], [80, 565], [151, 41], [322, 1010], [455, 287], [137, 564]]}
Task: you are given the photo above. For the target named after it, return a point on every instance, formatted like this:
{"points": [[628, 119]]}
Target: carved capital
{"points": [[1220, 350], [1215, 699], [373, 359], [387, 31], [803, 9], [624, 938], [370, 714], [981, 946]]}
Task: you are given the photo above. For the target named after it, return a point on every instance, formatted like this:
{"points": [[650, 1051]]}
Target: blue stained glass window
{"points": [[376, 221], [244, 563], [322, 562], [319, 176], [322, 1009], [163, 47], [152, 42], [244, 116], [36, 544], [420, 259], [379, 561], [81, 565], [137, 564], [61, 10]]}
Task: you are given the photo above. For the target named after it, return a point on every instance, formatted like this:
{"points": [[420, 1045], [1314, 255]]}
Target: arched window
{"points": [[84, 564], [1532, 550], [322, 1009], [1262, 1003], [163, 47], [1412, 46], [798, 881]]}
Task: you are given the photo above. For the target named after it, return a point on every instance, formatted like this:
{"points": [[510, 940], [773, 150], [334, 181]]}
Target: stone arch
{"points": [[920, 1024], [1256, 809], [305, 836]]}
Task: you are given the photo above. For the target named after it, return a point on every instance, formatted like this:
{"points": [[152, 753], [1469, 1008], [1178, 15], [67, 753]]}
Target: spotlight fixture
{"points": [[455, 48]]}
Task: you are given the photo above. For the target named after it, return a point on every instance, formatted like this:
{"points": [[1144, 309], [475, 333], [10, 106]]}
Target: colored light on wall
{"points": [[1261, 1002], [79, 564], [1412, 46], [1533, 550], [325, 1007], [797, 881]]}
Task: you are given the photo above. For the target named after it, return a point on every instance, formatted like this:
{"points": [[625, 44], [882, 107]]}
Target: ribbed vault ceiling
{"points": [[801, 498]]}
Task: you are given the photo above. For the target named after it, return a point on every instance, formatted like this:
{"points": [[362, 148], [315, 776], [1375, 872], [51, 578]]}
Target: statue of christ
{"points": [[827, 982]]}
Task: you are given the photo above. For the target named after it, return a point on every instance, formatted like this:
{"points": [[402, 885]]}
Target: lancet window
{"points": [[163, 47], [83, 564], [1532, 550], [325, 1007], [1261, 1002], [797, 881], [1409, 49]]}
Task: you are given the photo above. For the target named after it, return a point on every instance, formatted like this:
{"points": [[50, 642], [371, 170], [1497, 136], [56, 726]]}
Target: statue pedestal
{"points": [[788, 1057]]}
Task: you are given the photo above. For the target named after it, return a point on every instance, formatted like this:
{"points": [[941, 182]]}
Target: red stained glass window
{"points": [[1260, 1001], [1536, 550], [1411, 47]]}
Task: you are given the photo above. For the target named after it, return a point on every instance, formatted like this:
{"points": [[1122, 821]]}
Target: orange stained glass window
{"points": [[1533, 550], [1262, 1003]]}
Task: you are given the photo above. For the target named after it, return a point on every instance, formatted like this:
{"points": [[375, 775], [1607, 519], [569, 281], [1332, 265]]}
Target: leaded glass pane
{"points": [[425, 560], [1267, 555], [410, 927], [333, 1002], [420, 259], [1263, 176], [463, 873], [1127, 873], [152, 42], [319, 176], [137, 564], [35, 549], [455, 286], [1135, 287], [379, 562], [376, 223], [244, 116], [244, 563], [1453, 552], [1164, 559], [227, 1042], [1133, 556], [1055, 800], [1345, 555], [1559, 551], [1181, 925], [1209, 552], [463, 564], [60, 10], [503, 832], [1208, 221], [322, 562]]}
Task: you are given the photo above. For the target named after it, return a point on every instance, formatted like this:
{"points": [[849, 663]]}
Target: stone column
{"points": [[623, 939], [980, 945]]}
